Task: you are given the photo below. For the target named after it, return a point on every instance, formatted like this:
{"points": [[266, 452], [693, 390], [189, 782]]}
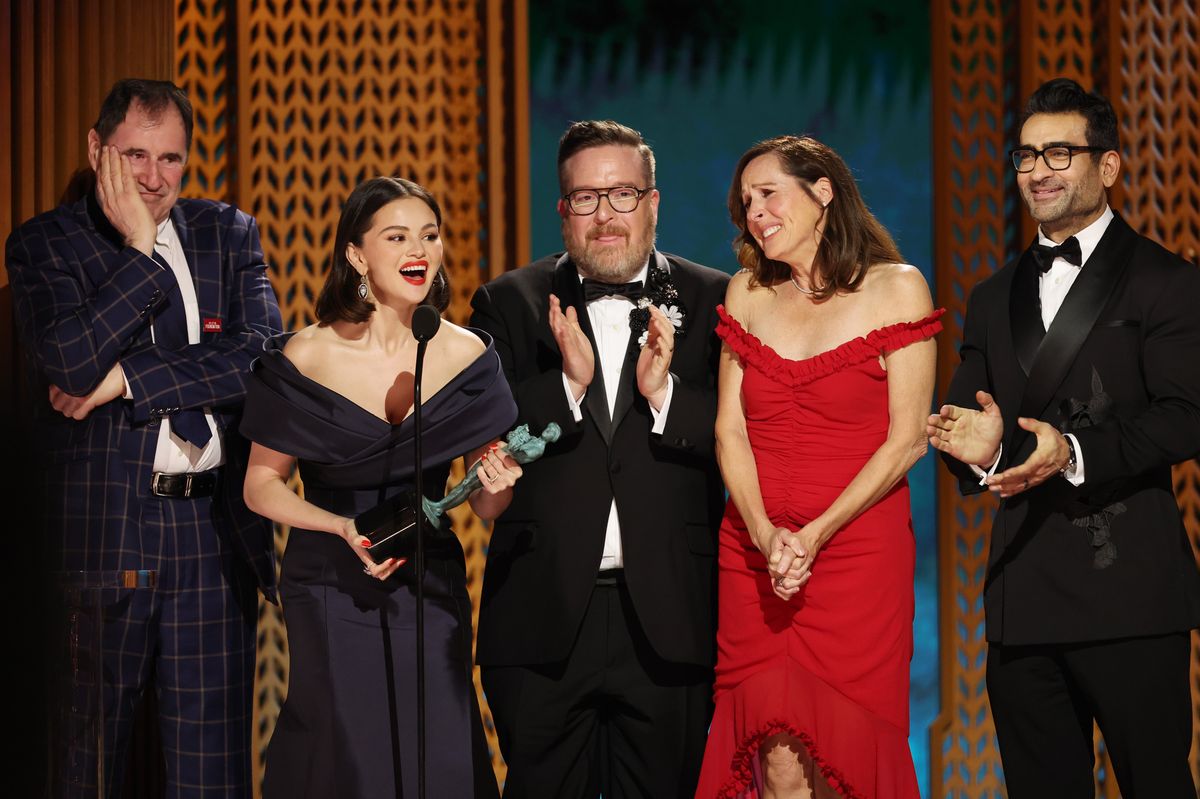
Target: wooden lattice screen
{"points": [[987, 58]]}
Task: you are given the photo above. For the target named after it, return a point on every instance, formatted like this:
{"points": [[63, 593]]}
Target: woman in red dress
{"points": [[826, 379]]}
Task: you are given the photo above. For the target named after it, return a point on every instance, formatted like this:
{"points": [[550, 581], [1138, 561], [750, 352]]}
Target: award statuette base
{"points": [[391, 527]]}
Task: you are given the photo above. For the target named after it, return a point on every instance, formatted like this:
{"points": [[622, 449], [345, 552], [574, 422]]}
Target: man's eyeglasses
{"points": [[623, 199], [1057, 157]]}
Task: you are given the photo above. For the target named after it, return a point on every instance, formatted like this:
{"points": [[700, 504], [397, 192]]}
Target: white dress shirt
{"points": [[610, 327], [174, 455], [1053, 286]]}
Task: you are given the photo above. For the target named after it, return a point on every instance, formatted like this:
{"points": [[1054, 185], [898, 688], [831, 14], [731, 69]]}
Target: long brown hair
{"points": [[853, 239]]}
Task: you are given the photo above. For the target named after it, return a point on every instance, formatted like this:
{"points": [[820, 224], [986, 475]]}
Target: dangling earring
{"points": [[362, 287]]}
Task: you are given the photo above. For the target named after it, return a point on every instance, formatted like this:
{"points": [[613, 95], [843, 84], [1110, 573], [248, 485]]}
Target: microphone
{"points": [[425, 324]]}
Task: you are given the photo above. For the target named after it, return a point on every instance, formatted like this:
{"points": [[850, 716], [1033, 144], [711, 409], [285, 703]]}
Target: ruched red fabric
{"points": [[830, 667]]}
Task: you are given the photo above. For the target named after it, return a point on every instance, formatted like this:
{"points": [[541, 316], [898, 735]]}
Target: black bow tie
{"points": [[1068, 250], [595, 289]]}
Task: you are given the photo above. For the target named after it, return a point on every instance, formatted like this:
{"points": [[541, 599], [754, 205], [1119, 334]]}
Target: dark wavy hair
{"points": [[853, 239], [1065, 96], [598, 133], [152, 95], [339, 300]]}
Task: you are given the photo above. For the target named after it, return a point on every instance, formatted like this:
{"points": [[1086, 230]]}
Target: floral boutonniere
{"points": [[660, 291]]}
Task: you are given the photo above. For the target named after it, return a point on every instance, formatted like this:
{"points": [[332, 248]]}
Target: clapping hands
{"points": [[654, 361]]}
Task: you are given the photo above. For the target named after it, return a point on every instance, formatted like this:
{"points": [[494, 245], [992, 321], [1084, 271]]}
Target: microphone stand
{"points": [[425, 324]]}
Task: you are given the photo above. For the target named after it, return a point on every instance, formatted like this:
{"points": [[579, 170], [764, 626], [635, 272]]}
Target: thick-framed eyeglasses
{"points": [[623, 199], [1057, 157]]}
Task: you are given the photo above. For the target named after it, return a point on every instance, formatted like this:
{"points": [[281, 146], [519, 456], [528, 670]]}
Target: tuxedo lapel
{"points": [[1075, 319], [628, 385], [1025, 311], [625, 389], [570, 293]]}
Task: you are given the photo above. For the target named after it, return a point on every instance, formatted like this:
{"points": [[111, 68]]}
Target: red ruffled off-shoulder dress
{"points": [[830, 667]]}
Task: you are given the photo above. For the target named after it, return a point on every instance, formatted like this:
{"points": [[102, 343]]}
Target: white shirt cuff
{"points": [[660, 416], [984, 475], [1075, 476], [576, 411]]}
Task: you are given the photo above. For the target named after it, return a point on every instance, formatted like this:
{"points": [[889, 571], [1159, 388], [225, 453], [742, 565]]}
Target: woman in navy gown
{"points": [[336, 398]]}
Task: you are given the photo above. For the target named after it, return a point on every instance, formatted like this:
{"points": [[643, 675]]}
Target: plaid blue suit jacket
{"points": [[83, 301]]}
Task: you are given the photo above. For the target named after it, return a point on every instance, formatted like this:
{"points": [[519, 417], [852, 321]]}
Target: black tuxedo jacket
{"points": [[545, 549], [1120, 369]]}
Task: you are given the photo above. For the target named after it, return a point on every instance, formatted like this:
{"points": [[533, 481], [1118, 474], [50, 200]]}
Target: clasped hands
{"points": [[974, 436], [579, 361], [790, 555]]}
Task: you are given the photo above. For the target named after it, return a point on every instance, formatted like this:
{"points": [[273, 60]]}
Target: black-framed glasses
{"points": [[1057, 157], [623, 199]]}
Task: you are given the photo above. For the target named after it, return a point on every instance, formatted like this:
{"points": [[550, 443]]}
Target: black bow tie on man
{"points": [[595, 289], [1068, 250]]}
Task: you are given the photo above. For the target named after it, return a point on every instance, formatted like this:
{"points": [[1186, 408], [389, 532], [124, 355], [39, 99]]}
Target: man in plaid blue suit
{"points": [[139, 314]]}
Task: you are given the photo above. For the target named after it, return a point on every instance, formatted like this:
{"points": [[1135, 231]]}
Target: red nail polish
{"points": [[365, 542]]}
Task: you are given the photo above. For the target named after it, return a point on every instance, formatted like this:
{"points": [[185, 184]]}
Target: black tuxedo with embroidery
{"points": [[1108, 561], [1120, 369]]}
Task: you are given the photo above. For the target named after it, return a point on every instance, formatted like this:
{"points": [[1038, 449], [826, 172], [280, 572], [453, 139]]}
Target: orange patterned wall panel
{"points": [[1159, 107], [202, 32], [970, 179]]}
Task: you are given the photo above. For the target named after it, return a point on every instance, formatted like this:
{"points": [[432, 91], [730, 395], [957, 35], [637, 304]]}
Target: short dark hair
{"points": [[599, 133], [339, 300], [1065, 96], [853, 240], [152, 95]]}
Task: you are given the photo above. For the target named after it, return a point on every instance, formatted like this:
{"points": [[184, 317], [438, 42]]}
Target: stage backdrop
{"points": [[297, 101], [705, 80]]}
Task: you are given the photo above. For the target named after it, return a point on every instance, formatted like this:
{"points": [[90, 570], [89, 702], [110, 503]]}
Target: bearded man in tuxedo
{"points": [[596, 628]]}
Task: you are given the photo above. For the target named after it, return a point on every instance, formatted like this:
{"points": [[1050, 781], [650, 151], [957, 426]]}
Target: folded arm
{"points": [[75, 332], [213, 372]]}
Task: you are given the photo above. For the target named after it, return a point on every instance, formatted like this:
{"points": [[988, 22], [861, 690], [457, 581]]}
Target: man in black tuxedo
{"points": [[1092, 338], [596, 627]]}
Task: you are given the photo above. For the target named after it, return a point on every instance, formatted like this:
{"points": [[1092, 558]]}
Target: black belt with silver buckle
{"points": [[184, 486], [610, 577]]}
